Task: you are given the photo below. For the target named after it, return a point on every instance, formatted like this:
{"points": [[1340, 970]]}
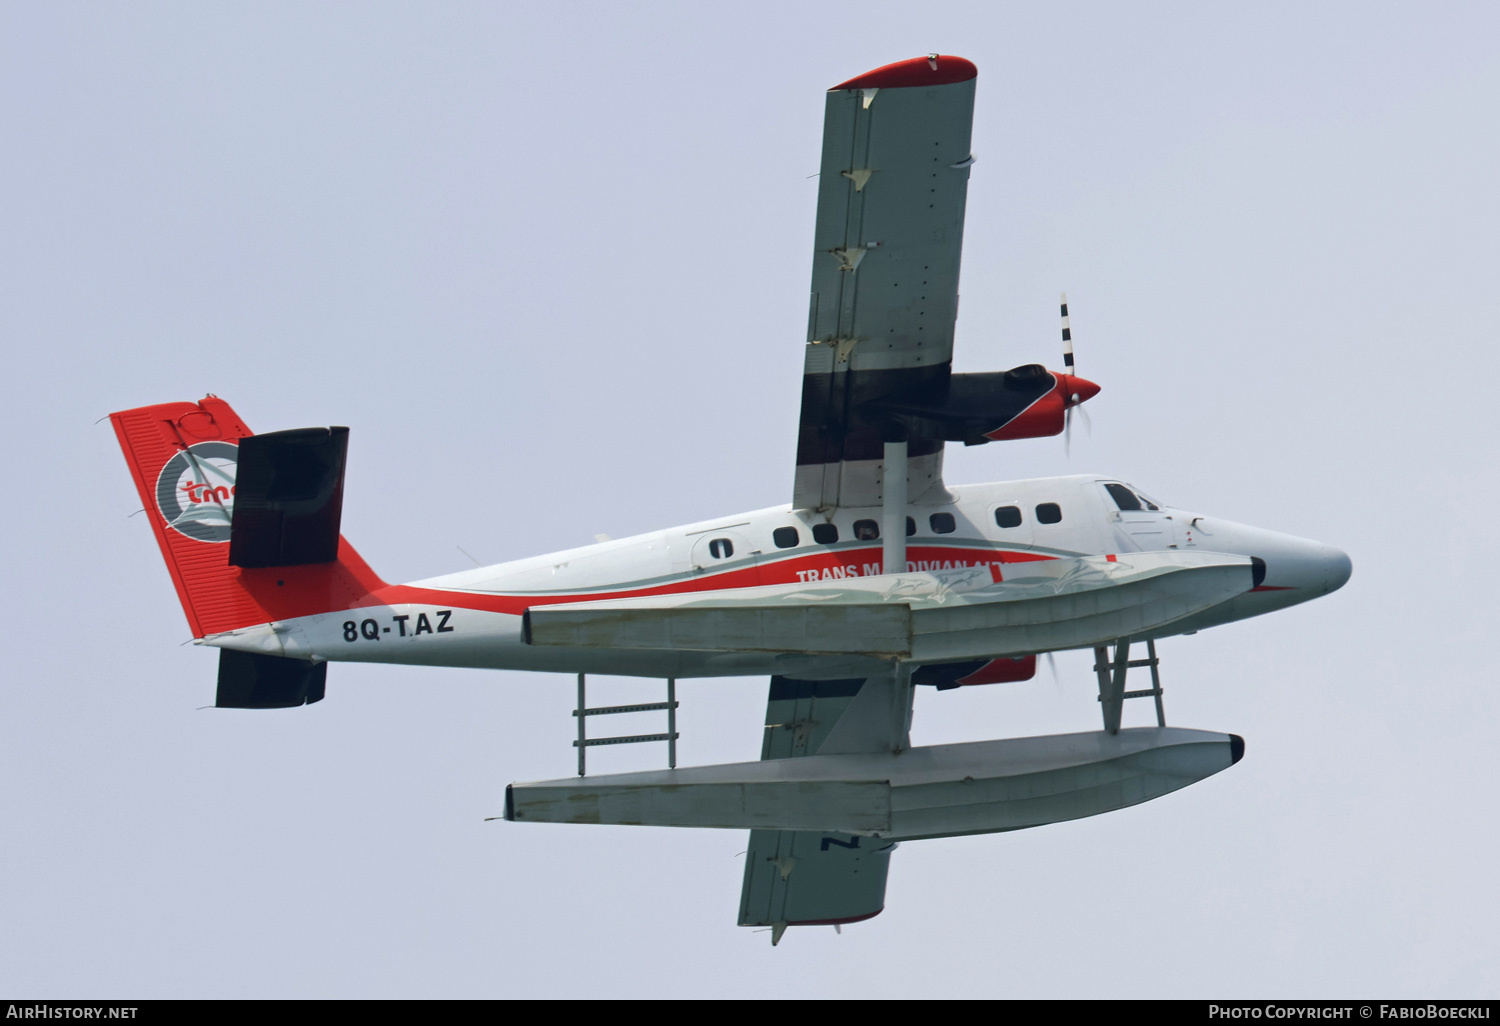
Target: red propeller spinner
{"points": [[1052, 414]]}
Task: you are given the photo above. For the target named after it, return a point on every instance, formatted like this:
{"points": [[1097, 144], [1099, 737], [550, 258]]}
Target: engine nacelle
{"points": [[1025, 402], [1005, 670]]}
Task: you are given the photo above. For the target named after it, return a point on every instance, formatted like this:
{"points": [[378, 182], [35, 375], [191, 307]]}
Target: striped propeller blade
{"points": [[1067, 338], [1069, 400]]}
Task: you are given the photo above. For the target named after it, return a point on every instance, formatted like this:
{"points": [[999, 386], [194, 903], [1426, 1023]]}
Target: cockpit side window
{"points": [[1124, 497]]}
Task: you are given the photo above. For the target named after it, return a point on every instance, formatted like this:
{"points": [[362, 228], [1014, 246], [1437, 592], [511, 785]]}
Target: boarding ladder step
{"points": [[584, 742], [1112, 673]]}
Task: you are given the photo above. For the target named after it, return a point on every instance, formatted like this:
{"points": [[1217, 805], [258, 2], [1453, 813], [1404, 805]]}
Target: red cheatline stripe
{"points": [[854, 563]]}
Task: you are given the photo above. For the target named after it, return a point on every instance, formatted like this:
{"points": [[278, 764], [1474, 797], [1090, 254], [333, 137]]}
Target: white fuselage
{"points": [[473, 618]]}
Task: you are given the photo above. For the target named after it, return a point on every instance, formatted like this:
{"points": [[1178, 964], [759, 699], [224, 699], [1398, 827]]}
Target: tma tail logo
{"points": [[195, 491]]}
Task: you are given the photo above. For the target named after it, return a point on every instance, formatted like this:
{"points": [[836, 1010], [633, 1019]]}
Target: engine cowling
{"points": [[1004, 670], [1025, 402]]}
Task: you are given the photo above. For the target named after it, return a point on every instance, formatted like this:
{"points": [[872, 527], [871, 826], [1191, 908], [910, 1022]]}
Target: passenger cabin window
{"points": [[1008, 516], [911, 527], [1124, 497], [942, 523], [785, 537], [721, 548], [1049, 513], [825, 534], [866, 530]]}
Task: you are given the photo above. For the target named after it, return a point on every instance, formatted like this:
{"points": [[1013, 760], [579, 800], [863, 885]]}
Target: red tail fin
{"points": [[184, 458]]}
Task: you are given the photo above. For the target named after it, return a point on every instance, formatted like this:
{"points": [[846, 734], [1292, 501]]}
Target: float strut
{"points": [[1112, 682]]}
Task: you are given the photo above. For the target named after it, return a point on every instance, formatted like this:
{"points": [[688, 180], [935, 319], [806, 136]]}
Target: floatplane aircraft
{"points": [[877, 578]]}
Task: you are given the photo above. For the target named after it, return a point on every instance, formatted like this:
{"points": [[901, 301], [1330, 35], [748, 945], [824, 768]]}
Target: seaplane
{"points": [[877, 579]]}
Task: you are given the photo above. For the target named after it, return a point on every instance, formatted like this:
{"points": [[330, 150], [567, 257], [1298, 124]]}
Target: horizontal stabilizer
{"points": [[947, 615], [251, 681], [938, 791], [289, 498]]}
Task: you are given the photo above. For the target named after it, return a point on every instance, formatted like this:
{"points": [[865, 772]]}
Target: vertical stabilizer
{"points": [[185, 460]]}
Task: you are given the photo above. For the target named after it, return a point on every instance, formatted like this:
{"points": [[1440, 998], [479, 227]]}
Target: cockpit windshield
{"points": [[1128, 500], [1146, 500], [1124, 497]]}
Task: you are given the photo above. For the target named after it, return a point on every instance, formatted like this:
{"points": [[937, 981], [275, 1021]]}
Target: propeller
{"points": [[1057, 684], [1067, 338], [1075, 400]]}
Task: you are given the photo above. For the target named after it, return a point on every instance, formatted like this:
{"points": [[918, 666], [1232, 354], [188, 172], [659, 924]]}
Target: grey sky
{"points": [[550, 264]]}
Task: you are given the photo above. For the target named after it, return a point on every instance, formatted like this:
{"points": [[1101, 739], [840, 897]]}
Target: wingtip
{"points": [[928, 70]]}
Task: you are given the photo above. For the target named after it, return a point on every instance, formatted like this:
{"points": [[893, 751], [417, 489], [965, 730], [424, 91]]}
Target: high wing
{"points": [[810, 877], [879, 355], [891, 195]]}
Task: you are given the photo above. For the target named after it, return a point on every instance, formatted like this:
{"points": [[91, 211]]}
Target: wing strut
{"points": [[893, 513]]}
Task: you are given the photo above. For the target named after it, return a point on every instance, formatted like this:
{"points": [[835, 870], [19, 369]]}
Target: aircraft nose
{"points": [[1337, 567], [1287, 569], [1307, 566]]}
